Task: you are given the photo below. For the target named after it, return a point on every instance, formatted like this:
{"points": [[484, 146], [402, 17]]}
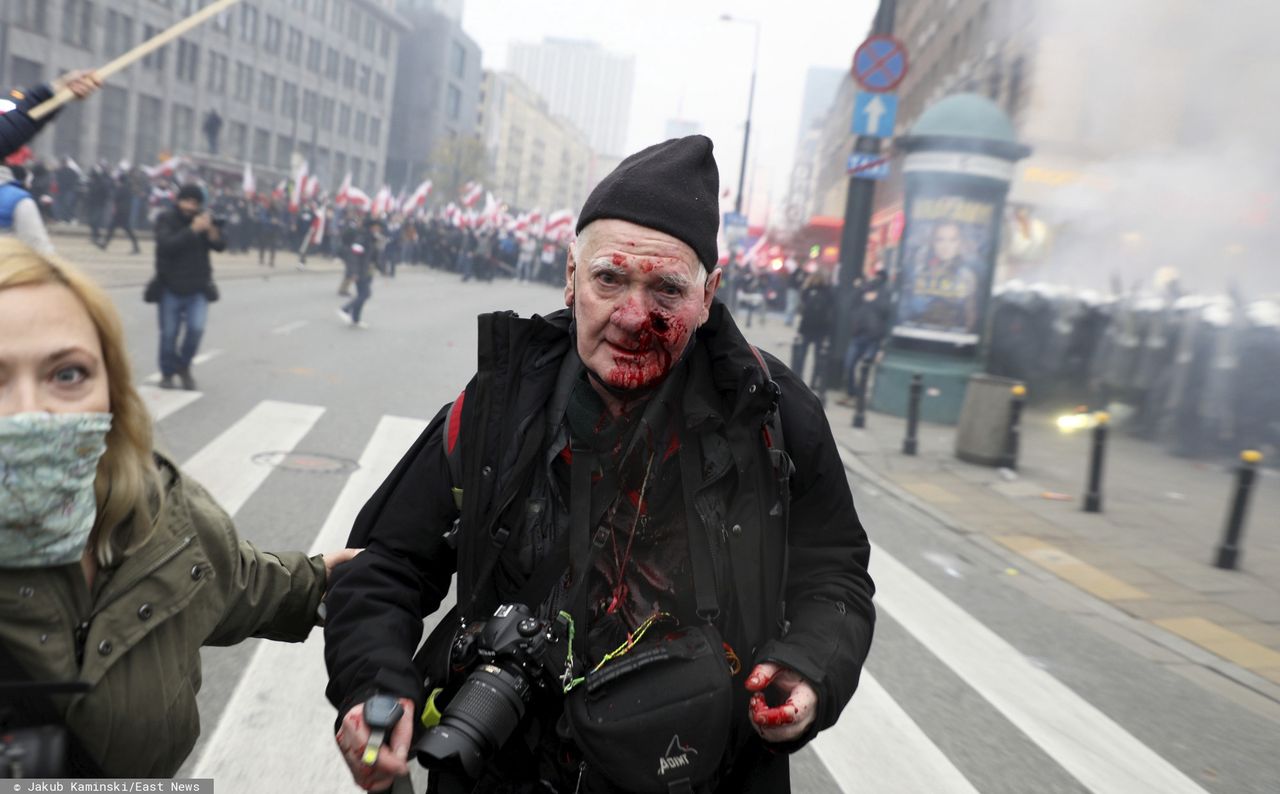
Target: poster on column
{"points": [[948, 249]]}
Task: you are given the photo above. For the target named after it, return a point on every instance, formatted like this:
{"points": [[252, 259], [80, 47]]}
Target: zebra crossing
{"points": [[273, 729]]}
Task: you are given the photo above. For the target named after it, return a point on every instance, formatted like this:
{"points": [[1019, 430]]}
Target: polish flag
{"points": [[471, 193], [418, 199], [247, 183], [382, 201], [358, 199], [749, 257], [280, 191], [559, 223], [344, 191], [317, 229]]}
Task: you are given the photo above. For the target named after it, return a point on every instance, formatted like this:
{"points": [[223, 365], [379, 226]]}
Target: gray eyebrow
{"points": [[674, 279]]}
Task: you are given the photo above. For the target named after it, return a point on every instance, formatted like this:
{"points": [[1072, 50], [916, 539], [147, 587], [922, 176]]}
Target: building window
{"points": [[67, 132], [77, 22], [344, 119], [289, 100], [239, 138], [249, 24], [118, 37], [244, 82], [370, 33], [349, 72], [293, 46], [216, 80], [339, 165], [331, 64], [356, 170], [319, 8], [271, 41], [182, 128], [379, 86], [112, 122], [361, 124], [375, 131], [32, 15], [284, 150], [458, 59], [337, 13], [309, 102], [453, 103], [261, 146], [327, 106], [188, 61], [353, 24], [365, 71], [147, 149], [154, 60], [267, 93], [315, 52], [385, 47]]}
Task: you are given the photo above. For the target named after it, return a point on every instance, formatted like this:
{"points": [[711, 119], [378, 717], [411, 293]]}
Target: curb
{"points": [[1188, 650]]}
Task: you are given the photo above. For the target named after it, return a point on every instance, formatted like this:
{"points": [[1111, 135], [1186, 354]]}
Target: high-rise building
{"points": [[314, 77], [438, 81], [583, 82], [536, 159], [821, 85]]}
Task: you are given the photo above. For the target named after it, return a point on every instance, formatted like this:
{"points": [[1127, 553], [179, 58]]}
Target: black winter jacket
{"points": [[376, 603], [16, 127], [182, 256]]}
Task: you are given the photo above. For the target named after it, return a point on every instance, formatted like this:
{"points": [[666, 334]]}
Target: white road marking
{"points": [[289, 328], [876, 744], [165, 402], [201, 358], [1103, 756], [225, 466], [279, 700]]}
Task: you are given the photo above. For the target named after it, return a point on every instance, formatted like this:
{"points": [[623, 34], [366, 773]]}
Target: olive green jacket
{"points": [[140, 629]]}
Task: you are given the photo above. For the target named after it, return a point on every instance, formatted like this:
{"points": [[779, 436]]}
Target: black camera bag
{"points": [[657, 719]]}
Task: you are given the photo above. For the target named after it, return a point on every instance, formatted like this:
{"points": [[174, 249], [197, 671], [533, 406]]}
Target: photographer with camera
{"points": [[661, 579], [183, 285]]}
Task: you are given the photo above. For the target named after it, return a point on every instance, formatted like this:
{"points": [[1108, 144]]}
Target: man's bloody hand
{"points": [[792, 718]]}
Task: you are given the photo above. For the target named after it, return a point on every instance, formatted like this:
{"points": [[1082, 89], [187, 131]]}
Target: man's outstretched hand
{"points": [[393, 756], [790, 720]]}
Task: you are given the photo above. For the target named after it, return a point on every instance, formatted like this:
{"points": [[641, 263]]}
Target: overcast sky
{"points": [[692, 65]]}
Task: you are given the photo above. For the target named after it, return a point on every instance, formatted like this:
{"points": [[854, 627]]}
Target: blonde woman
{"points": [[115, 568]]}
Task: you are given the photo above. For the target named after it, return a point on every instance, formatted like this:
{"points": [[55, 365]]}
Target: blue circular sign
{"points": [[880, 63]]}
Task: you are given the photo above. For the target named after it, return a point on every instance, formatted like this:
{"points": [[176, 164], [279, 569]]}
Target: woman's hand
{"points": [[333, 559]]}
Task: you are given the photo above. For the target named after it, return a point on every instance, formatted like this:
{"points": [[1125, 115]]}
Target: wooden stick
{"points": [[139, 52]]}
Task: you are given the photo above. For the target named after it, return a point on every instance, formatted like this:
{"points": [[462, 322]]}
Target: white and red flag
{"points": [[418, 198], [167, 168], [317, 229], [382, 201], [559, 224], [358, 198], [471, 193], [247, 183]]}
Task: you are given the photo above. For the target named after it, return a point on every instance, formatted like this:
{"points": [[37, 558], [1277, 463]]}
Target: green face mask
{"points": [[47, 467]]}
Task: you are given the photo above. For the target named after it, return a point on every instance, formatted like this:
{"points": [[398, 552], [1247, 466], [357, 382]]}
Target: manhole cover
{"points": [[309, 462]]}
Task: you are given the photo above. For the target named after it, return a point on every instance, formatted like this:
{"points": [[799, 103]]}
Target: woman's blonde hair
{"points": [[127, 485]]}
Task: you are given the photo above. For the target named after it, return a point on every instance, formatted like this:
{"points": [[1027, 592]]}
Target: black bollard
{"points": [[1093, 497], [860, 393], [818, 381], [1229, 549], [1013, 436], [797, 357], [909, 444]]}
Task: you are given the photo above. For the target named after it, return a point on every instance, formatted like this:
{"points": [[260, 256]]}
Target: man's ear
{"points": [[709, 293], [570, 267]]}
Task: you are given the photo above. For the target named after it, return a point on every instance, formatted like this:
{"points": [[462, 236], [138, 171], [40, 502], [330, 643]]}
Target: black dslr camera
{"points": [[510, 656], [29, 748]]}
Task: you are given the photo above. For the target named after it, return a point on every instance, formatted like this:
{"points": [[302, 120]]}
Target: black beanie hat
{"points": [[191, 191], [672, 187]]}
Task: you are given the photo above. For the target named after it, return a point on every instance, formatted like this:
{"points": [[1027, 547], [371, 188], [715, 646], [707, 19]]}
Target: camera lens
{"points": [[478, 721]]}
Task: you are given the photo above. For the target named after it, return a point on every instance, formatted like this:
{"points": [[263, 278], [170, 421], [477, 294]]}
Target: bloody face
{"points": [[638, 295]]}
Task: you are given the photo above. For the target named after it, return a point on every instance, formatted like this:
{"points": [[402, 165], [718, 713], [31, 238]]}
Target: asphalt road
{"points": [[982, 678]]}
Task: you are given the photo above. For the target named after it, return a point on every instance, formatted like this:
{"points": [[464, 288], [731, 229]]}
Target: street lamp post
{"points": [[751, 99]]}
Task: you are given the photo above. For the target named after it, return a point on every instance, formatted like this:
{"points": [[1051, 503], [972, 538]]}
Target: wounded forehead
{"points": [[608, 244]]}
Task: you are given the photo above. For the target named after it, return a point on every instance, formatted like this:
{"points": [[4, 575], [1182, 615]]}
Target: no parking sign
{"points": [[880, 63]]}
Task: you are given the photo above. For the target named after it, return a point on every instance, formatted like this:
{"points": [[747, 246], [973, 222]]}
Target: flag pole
{"points": [[64, 94]]}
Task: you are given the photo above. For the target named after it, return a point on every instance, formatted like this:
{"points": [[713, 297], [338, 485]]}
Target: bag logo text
{"points": [[676, 757]]}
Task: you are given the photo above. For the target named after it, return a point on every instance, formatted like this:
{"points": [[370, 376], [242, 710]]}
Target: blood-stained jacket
{"points": [[797, 551]]}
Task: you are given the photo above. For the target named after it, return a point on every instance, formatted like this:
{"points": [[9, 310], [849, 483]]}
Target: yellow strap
{"points": [[430, 714]]}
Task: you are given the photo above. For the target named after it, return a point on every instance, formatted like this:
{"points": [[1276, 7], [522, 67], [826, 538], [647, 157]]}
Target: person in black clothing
{"points": [[268, 232], [817, 312], [184, 237], [643, 407], [869, 325], [98, 200], [122, 196], [17, 127], [361, 251]]}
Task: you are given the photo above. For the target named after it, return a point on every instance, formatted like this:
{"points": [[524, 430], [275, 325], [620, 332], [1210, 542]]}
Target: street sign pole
{"points": [[857, 224]]}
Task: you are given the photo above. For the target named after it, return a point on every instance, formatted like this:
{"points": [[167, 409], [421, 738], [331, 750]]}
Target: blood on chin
{"points": [[637, 371]]}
